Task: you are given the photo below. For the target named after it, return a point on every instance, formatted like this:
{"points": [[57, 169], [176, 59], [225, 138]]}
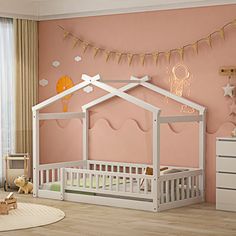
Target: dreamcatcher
{"points": [[63, 84]]}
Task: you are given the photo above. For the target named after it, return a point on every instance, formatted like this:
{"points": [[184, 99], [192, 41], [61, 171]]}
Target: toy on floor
{"points": [[3, 208], [24, 185], [16, 164], [8, 203], [11, 201], [149, 171]]}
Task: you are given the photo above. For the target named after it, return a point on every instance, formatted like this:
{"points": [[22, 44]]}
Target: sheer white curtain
{"points": [[6, 90]]}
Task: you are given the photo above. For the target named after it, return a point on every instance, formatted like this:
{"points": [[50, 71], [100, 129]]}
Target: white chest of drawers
{"points": [[226, 174]]}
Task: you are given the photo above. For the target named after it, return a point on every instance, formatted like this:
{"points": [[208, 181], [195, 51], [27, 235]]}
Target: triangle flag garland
{"points": [[155, 57], [222, 33], [77, 41]]}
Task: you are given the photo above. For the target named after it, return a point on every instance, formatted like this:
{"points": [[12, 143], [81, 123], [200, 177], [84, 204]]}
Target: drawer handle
{"points": [[226, 188], [226, 140], [221, 156], [225, 172]]}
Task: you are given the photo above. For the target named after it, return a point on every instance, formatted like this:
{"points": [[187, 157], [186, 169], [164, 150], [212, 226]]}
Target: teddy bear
{"points": [[24, 185]]}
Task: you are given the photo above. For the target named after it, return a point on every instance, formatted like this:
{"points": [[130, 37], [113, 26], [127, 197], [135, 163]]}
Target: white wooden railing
{"points": [[125, 180], [107, 182], [120, 167], [180, 186], [52, 172]]}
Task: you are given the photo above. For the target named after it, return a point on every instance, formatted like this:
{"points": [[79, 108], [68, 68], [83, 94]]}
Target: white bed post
{"points": [[202, 150], [35, 153], [156, 161], [62, 183], [85, 136]]}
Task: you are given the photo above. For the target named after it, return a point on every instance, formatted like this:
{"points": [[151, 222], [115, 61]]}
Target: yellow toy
{"points": [[149, 171], [24, 185]]}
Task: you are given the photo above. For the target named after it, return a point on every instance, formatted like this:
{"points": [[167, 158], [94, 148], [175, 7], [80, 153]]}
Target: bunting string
{"points": [[155, 55]]}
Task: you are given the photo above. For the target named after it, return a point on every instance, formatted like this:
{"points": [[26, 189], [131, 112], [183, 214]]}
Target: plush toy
{"points": [[24, 185], [149, 171]]}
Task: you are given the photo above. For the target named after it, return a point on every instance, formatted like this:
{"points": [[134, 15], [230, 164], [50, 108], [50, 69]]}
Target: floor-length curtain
{"points": [[26, 78], [6, 90]]}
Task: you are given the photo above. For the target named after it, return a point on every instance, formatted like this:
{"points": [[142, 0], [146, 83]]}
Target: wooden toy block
{"points": [[4, 208], [10, 202]]}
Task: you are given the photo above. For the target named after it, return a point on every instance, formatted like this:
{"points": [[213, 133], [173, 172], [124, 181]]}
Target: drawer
{"points": [[225, 199], [226, 148], [226, 164], [226, 181]]}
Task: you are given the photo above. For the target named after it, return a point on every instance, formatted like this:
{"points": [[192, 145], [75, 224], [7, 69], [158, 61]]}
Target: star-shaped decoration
{"points": [[228, 90], [233, 109]]}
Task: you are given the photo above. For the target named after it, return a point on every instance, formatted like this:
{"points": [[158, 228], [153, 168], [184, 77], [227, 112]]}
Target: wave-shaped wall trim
{"points": [[60, 123], [108, 123], [63, 124]]}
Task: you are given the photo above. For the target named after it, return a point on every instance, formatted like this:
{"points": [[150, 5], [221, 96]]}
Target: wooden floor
{"points": [[91, 220]]}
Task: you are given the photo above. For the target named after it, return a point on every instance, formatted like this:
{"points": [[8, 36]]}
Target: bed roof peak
{"points": [[94, 80], [143, 81]]}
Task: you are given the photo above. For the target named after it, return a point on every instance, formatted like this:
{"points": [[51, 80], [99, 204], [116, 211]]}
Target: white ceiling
{"points": [[56, 9]]}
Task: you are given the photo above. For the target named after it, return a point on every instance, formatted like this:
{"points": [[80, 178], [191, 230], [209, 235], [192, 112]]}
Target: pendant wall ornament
{"points": [[233, 109], [229, 89]]}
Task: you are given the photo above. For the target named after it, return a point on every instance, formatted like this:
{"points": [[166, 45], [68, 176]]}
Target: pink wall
{"points": [[120, 131]]}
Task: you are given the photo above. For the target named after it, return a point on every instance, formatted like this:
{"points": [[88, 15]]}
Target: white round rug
{"points": [[30, 215]]}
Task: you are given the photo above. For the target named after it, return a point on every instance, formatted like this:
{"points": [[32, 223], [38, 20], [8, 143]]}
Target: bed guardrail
{"points": [[105, 182], [119, 167], [121, 181], [177, 187], [51, 172]]}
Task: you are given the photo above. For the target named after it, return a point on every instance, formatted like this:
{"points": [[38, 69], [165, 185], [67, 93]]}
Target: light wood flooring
{"points": [[92, 220]]}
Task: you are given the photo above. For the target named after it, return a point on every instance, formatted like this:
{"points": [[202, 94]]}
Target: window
{"points": [[6, 90]]}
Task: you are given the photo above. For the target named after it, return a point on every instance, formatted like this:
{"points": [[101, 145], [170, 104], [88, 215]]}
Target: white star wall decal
{"points": [[228, 90]]}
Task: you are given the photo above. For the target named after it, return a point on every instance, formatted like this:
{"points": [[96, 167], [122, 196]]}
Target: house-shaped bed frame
{"points": [[114, 183]]}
